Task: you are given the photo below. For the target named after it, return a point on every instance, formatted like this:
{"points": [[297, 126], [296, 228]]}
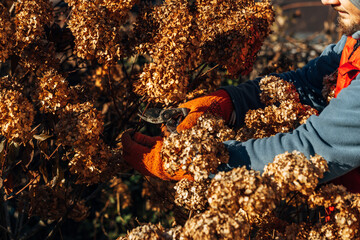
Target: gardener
{"points": [[333, 134]]}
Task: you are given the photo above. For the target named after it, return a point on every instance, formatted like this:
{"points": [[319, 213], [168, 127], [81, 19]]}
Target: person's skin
{"points": [[349, 15]]}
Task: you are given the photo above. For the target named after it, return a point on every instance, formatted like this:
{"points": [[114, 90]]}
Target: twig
{"points": [[112, 93], [200, 71], [22, 189], [209, 70]]}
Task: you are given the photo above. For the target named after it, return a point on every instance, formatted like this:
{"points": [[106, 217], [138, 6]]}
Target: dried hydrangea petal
{"points": [[198, 150]]}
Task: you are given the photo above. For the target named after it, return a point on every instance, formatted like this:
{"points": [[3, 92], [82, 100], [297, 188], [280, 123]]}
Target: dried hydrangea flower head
{"points": [[145, 232], [17, 115], [232, 32], [192, 195], [294, 172], [53, 92], [198, 150], [275, 90], [6, 34], [241, 190], [93, 165], [212, 224], [39, 57], [283, 113], [97, 28], [345, 218], [173, 51], [51, 203], [80, 126], [31, 16]]}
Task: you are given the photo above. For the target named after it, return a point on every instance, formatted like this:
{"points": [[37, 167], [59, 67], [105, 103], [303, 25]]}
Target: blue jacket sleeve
{"points": [[334, 134]]}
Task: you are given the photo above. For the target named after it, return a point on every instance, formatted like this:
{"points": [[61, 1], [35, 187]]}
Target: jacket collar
{"points": [[356, 35]]}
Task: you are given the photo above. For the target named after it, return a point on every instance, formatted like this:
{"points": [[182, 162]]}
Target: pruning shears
{"points": [[170, 117]]}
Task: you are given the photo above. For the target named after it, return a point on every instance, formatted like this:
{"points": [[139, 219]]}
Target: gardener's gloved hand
{"points": [[143, 154], [218, 103]]}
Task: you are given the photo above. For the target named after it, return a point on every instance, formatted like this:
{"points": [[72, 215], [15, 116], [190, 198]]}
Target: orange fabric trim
{"points": [[348, 70]]}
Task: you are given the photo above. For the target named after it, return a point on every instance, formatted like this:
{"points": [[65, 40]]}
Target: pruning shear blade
{"points": [[170, 117]]}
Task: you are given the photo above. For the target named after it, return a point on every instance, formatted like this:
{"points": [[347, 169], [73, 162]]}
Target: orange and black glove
{"points": [[143, 154], [218, 103]]}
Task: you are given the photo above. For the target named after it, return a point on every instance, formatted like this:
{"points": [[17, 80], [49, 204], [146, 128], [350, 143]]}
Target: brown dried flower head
{"points": [[6, 34], [233, 32], [52, 203], [198, 150], [145, 232], [53, 92], [192, 195], [173, 51], [97, 28], [294, 172], [241, 190], [98, 164], [213, 224], [39, 56], [17, 115], [80, 126], [31, 16]]}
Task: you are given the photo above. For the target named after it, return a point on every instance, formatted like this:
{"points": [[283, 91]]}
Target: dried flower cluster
{"points": [[329, 83], [186, 35], [233, 32], [6, 34], [97, 28], [241, 190], [92, 165], [283, 112], [17, 115], [39, 57], [30, 20], [55, 202], [214, 224], [292, 172], [344, 220], [198, 150], [145, 232], [173, 51], [53, 92], [192, 195], [79, 127]]}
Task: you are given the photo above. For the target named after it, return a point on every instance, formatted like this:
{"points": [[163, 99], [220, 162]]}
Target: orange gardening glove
{"points": [[218, 103], [143, 154]]}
